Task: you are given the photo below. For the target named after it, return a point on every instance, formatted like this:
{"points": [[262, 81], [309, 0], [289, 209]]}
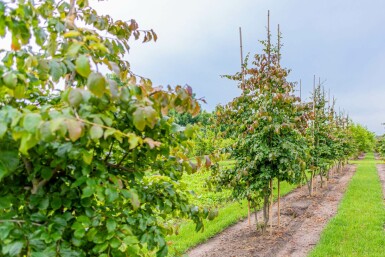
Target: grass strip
{"points": [[358, 227], [228, 215]]}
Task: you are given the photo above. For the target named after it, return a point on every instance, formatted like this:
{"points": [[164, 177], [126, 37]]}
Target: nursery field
{"points": [[96, 160], [353, 226]]}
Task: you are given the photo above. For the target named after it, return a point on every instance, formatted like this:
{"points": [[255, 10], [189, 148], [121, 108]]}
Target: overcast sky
{"points": [[341, 41]]}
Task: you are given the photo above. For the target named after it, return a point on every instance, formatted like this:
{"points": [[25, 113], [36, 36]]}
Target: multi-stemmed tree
{"points": [[265, 122]]}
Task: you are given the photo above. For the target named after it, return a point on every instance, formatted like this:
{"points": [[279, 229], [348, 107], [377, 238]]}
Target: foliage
{"points": [[184, 119], [266, 123], [363, 138], [93, 169]]}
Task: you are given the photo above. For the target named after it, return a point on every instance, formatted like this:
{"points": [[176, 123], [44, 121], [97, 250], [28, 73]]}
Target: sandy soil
{"points": [[302, 220]]}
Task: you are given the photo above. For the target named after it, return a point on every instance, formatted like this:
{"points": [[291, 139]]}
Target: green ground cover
{"points": [[358, 227]]}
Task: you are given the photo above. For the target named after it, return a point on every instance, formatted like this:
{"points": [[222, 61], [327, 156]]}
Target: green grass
{"points": [[358, 227], [229, 213]]}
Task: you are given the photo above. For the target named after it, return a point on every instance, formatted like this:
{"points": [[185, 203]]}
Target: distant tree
{"points": [[364, 139]]}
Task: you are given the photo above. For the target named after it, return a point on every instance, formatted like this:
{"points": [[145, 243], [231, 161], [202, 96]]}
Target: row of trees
{"points": [[277, 137], [94, 168]]}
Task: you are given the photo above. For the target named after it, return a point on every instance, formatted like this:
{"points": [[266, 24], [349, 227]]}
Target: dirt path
{"points": [[302, 220], [381, 174]]}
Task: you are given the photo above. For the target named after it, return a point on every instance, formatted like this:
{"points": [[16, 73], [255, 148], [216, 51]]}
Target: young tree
{"points": [[93, 169], [265, 122]]}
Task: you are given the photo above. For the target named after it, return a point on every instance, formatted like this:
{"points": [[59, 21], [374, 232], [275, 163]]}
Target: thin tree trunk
{"points": [[265, 212], [312, 183], [256, 216], [322, 181]]}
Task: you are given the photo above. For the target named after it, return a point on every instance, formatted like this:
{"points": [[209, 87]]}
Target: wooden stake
{"points": [[242, 65], [300, 90], [313, 132], [268, 37], [248, 212], [279, 203], [279, 45], [271, 207]]}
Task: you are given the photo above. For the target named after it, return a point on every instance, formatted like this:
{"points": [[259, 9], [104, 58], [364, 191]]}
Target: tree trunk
{"points": [[312, 183], [265, 211]]}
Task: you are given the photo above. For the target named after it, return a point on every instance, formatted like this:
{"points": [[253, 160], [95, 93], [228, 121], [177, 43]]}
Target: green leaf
{"points": [[96, 83], [108, 132], [19, 92], [133, 140], [139, 119], [27, 142], [56, 203], [57, 70], [40, 36], [80, 233], [74, 129], [71, 33], [115, 243], [74, 49], [10, 80], [3, 129], [5, 229], [75, 97], [134, 198], [111, 194], [87, 192], [82, 66], [56, 123], [91, 234], [111, 225], [13, 249], [96, 132], [3, 170], [31, 122], [87, 157], [9, 161], [6, 201], [79, 182], [44, 203], [189, 131], [46, 173]]}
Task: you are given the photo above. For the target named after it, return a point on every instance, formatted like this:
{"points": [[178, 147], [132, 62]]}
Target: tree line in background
{"points": [[95, 168]]}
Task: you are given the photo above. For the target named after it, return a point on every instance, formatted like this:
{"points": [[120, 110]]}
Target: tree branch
{"points": [[27, 164], [36, 185], [20, 221], [119, 167], [109, 153]]}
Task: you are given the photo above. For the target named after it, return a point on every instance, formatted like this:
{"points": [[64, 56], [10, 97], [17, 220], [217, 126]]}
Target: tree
{"points": [[364, 139], [266, 123], [93, 169]]}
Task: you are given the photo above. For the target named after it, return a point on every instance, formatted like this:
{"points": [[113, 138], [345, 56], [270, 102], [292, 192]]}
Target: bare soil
{"points": [[302, 220]]}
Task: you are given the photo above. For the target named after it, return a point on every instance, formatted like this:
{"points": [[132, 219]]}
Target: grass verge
{"points": [[358, 227], [228, 215]]}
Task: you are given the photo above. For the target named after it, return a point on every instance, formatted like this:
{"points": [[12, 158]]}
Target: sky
{"points": [[340, 41]]}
